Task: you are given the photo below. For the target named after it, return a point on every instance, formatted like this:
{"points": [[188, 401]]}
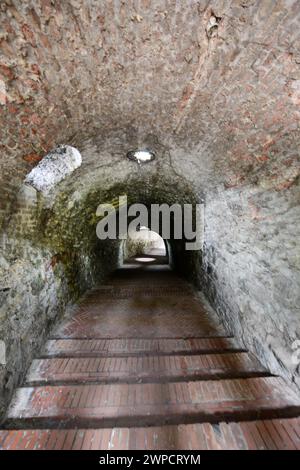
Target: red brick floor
{"points": [[146, 368], [282, 434], [141, 364], [129, 346]]}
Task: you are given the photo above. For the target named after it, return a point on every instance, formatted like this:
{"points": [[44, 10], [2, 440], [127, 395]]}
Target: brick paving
{"points": [[135, 368], [276, 434], [125, 309], [130, 346], [143, 368], [102, 405], [147, 316]]}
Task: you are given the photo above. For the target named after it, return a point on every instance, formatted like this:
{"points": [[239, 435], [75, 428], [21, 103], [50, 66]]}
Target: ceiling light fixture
{"points": [[141, 156]]}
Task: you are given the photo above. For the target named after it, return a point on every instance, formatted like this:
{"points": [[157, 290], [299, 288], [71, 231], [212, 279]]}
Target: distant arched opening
{"points": [[144, 246]]}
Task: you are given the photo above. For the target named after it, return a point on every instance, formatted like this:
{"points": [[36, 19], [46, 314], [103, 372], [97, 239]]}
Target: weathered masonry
{"points": [[211, 89]]}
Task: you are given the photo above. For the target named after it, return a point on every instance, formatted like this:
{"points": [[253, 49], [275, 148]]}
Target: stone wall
{"points": [[251, 270], [39, 276], [36, 286], [33, 295]]}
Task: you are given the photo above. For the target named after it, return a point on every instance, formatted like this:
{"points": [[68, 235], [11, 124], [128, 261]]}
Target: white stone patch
{"points": [[54, 167]]}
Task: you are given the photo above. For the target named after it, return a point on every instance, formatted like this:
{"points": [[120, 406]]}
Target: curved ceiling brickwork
{"points": [[217, 82]]}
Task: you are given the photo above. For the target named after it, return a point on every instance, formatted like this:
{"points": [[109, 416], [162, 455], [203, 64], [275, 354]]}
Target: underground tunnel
{"points": [[107, 343]]}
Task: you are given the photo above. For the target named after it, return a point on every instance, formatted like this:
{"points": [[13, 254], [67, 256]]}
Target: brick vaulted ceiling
{"points": [[216, 82]]}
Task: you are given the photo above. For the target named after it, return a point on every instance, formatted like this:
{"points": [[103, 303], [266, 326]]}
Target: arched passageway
{"points": [[144, 246], [144, 242], [160, 102], [144, 326]]}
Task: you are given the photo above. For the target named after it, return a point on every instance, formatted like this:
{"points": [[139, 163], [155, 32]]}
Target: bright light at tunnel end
{"points": [[141, 156], [119, 219]]}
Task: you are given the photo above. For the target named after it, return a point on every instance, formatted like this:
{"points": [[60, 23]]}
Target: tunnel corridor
{"points": [[141, 362], [109, 111]]}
